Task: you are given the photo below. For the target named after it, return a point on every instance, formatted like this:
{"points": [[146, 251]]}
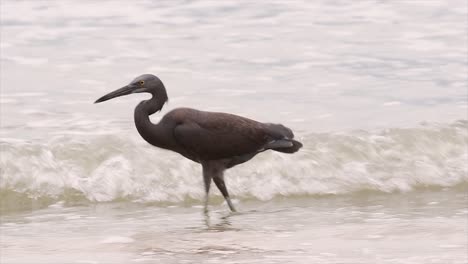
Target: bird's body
{"points": [[217, 141]]}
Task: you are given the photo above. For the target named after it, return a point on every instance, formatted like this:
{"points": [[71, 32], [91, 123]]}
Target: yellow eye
{"points": [[141, 83]]}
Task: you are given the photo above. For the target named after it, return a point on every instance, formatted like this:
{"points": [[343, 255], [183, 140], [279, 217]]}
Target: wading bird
{"points": [[218, 141]]}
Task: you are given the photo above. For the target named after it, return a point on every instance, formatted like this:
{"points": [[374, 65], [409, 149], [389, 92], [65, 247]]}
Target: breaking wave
{"points": [[116, 167]]}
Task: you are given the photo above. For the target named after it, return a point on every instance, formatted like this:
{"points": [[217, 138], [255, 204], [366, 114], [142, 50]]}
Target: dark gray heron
{"points": [[218, 141]]}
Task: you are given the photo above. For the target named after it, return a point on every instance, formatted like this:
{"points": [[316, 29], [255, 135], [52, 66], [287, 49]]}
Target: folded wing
{"points": [[218, 135]]}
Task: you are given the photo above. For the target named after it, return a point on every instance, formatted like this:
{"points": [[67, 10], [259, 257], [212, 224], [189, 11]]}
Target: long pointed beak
{"points": [[119, 92]]}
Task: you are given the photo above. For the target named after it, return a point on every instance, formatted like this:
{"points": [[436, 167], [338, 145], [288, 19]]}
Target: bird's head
{"points": [[146, 83]]}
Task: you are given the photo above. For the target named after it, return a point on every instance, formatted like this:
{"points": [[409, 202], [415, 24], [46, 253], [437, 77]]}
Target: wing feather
{"points": [[219, 135]]}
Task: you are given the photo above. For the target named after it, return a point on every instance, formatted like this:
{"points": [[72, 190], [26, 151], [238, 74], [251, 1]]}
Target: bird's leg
{"points": [[207, 180], [219, 181]]}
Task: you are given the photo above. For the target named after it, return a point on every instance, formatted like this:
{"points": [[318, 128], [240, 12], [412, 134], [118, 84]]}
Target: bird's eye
{"points": [[141, 83]]}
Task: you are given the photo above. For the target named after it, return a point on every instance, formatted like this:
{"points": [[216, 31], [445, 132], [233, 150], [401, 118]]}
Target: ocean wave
{"points": [[118, 166]]}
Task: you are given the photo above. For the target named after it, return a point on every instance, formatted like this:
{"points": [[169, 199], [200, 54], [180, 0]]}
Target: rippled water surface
{"points": [[376, 91], [412, 228]]}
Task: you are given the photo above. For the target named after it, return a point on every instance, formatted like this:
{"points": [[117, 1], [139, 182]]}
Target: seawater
{"points": [[115, 167], [376, 91]]}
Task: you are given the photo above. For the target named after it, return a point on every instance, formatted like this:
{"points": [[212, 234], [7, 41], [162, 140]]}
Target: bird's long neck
{"points": [[156, 103], [154, 134]]}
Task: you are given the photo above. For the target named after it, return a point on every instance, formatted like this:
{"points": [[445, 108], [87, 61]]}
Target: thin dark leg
{"points": [[219, 181], [207, 180]]}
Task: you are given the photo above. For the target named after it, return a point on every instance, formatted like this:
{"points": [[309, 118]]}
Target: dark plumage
{"points": [[217, 141]]}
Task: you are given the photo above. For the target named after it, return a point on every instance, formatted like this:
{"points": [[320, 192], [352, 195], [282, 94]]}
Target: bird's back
{"points": [[214, 135]]}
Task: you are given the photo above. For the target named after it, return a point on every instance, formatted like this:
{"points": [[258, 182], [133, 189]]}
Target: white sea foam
{"points": [[109, 167], [28, 61], [117, 239], [392, 103]]}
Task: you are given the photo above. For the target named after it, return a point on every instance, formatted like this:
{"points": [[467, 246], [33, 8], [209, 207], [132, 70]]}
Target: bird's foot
{"points": [[231, 206], [205, 207]]}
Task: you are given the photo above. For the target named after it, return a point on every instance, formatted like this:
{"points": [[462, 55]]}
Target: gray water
{"points": [[376, 91]]}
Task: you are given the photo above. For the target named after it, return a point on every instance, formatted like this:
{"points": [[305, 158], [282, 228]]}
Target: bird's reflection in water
{"points": [[221, 224]]}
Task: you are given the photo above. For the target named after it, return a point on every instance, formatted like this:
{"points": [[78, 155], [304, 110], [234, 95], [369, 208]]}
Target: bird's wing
{"points": [[218, 136]]}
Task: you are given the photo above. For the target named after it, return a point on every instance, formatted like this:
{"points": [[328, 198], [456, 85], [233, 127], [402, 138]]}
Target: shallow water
{"points": [[376, 91], [420, 227]]}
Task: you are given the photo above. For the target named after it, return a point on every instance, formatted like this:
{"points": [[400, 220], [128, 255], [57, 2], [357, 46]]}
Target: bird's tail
{"points": [[296, 145], [284, 141]]}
